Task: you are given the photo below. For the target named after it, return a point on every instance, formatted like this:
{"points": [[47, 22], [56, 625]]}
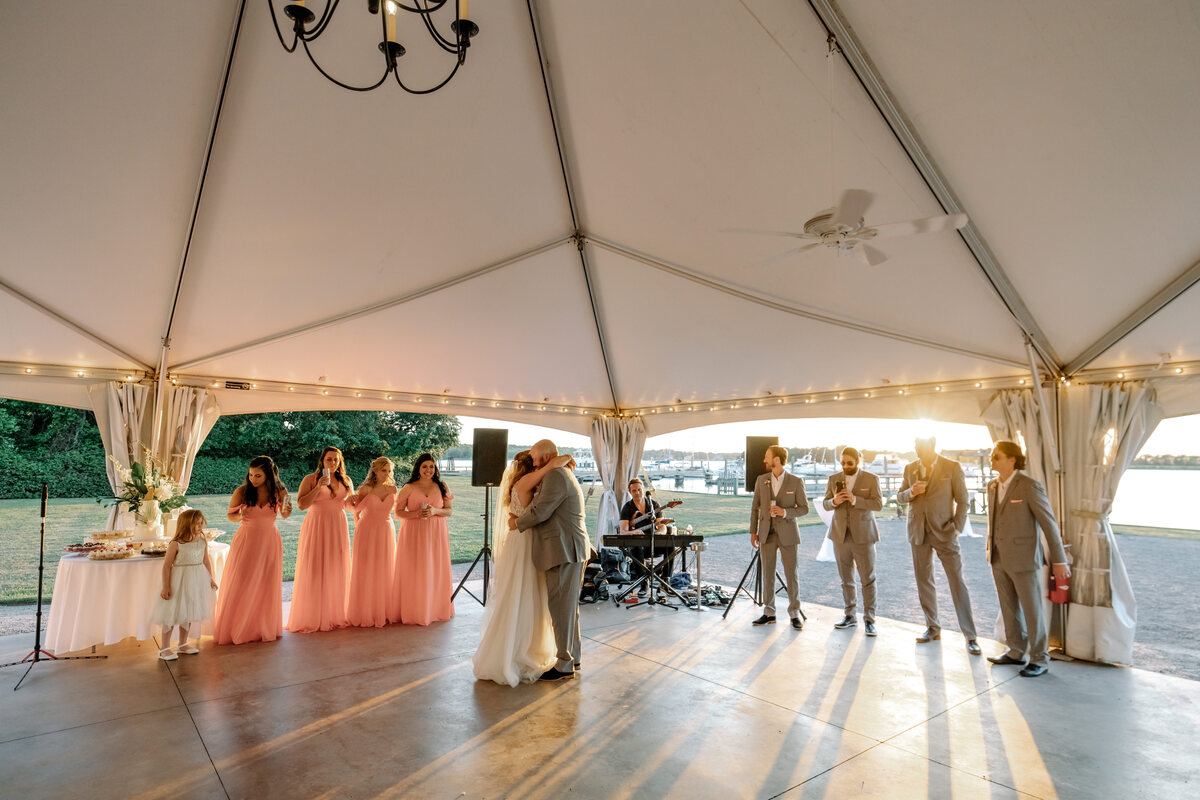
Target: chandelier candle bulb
{"points": [[463, 10], [390, 7]]}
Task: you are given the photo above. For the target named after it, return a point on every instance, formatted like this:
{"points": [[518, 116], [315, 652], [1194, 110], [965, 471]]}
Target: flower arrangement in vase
{"points": [[148, 491]]}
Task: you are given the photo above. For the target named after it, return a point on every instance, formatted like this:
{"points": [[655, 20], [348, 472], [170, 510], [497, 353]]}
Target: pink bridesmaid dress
{"points": [[250, 600], [421, 583], [322, 564], [374, 552]]}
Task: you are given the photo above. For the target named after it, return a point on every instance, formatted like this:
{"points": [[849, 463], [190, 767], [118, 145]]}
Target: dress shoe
{"points": [[554, 675], [929, 635], [847, 622], [973, 648], [1033, 670], [764, 620], [1005, 658], [797, 624], [578, 666], [870, 627]]}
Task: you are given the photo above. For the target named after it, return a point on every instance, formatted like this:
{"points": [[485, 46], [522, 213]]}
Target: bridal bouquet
{"points": [[147, 490]]}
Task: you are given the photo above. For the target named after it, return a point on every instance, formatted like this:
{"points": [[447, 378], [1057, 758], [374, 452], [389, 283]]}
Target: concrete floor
{"points": [[669, 703]]}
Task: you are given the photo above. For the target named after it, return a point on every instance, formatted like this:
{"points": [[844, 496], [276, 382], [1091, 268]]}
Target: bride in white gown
{"points": [[516, 642]]}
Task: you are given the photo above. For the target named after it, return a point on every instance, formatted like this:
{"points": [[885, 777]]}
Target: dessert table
{"points": [[103, 602]]}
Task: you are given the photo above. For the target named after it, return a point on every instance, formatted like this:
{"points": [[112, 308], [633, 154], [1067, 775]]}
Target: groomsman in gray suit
{"points": [[1017, 507], [853, 496], [936, 493], [779, 500], [560, 550]]}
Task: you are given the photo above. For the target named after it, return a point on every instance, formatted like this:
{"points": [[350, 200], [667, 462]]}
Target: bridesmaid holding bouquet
{"points": [[323, 553], [250, 601], [374, 547], [421, 583]]}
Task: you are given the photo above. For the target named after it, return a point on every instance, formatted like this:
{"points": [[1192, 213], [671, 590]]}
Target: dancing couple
{"points": [[531, 622]]}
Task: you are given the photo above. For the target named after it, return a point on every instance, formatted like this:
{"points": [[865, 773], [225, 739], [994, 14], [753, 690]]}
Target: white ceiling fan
{"points": [[843, 228]]}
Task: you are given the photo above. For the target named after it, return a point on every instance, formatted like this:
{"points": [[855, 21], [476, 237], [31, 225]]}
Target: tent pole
{"points": [[160, 388], [1043, 414]]}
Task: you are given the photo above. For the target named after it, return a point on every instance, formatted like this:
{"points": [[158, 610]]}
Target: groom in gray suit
{"points": [[560, 550]]}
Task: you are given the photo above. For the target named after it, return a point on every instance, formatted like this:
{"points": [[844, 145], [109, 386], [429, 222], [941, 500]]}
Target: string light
{"points": [[1178, 370], [80, 374], [901, 391], [291, 388], [254, 386], [837, 397], [1120, 374], [978, 384], [324, 391], [937, 388], [29, 370], [866, 394], [128, 377], [1022, 381], [389, 397], [216, 384]]}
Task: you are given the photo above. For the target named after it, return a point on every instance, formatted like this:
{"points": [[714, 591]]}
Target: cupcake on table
{"points": [[323, 554], [374, 547], [188, 587], [250, 602], [421, 580]]}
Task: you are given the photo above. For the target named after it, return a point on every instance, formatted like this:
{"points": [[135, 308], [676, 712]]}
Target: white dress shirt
{"points": [[1002, 487], [776, 483]]}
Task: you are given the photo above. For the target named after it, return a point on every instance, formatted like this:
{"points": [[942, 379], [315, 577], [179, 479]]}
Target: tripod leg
{"points": [[23, 677], [741, 585], [482, 552]]}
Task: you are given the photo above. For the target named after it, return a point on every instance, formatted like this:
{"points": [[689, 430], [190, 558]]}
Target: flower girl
{"points": [[188, 586]]}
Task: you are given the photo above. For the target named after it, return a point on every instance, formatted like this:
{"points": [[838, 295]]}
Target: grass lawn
{"points": [[70, 520]]}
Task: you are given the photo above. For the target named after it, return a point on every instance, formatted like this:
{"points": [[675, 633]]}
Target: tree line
{"points": [[62, 447]]}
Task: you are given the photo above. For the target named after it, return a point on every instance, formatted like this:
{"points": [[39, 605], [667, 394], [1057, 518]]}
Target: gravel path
{"points": [[1161, 569]]}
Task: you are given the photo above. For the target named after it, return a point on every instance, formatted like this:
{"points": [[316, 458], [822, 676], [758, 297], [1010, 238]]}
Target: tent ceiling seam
{"points": [[208, 151], [795, 310], [1161, 299], [374, 308], [82, 331], [570, 195], [885, 102]]}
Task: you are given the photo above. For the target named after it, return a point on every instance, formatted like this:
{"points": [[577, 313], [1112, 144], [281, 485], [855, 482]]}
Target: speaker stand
{"points": [[485, 552]]}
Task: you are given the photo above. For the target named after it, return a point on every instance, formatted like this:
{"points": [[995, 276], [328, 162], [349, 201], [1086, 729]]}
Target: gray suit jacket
{"points": [[556, 519], [791, 499], [943, 506], [1013, 522], [858, 519]]}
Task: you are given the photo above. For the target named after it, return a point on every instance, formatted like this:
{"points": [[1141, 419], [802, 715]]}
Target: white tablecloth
{"points": [[103, 602]]}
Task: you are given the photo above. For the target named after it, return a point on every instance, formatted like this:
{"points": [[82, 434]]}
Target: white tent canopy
{"points": [[556, 232], [551, 238]]}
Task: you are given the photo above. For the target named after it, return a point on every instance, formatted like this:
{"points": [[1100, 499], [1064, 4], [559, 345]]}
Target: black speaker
{"points": [[756, 450], [488, 456]]}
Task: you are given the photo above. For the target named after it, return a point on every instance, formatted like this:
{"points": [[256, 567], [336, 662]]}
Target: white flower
{"points": [[126, 475], [163, 493]]}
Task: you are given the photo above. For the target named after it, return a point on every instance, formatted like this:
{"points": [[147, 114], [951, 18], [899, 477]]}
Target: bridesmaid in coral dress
{"points": [[250, 602], [374, 547], [323, 554], [421, 582]]}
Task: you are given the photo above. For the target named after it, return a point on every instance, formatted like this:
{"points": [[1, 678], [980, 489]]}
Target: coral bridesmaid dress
{"points": [[322, 565], [421, 583], [250, 600], [374, 552]]}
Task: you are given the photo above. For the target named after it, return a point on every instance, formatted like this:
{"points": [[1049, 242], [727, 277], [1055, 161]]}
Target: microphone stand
{"points": [[36, 656]]}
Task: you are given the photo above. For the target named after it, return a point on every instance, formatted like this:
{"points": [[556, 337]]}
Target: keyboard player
{"points": [[639, 515]]}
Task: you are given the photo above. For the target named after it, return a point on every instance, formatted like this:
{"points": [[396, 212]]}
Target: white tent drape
{"points": [[188, 416], [1013, 416], [122, 414], [617, 447], [1105, 427]]}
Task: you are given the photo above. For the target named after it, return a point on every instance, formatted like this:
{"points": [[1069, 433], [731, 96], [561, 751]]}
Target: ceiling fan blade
{"points": [[852, 206], [868, 255], [761, 232], [945, 222], [781, 256]]}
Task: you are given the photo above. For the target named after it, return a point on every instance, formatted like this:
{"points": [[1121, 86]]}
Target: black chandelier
{"points": [[307, 28]]}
